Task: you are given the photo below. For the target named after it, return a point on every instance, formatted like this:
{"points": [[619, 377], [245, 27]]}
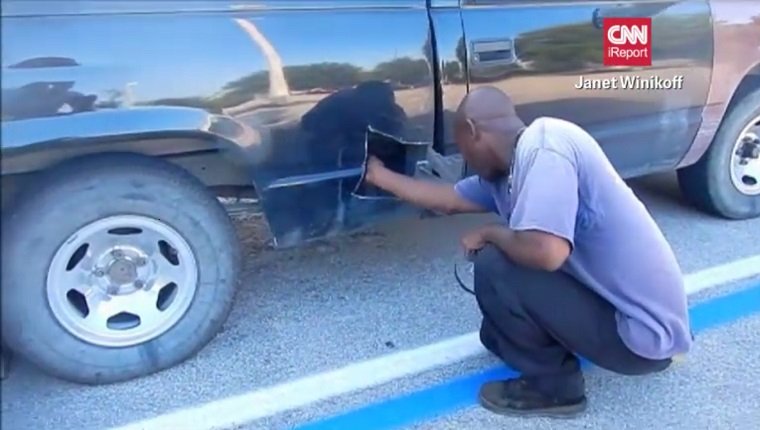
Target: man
{"points": [[577, 267]]}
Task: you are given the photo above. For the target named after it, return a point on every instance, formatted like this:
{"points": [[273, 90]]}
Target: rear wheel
{"points": [[726, 181], [116, 267]]}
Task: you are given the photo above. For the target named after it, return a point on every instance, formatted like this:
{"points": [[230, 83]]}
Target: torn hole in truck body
{"points": [[417, 159], [304, 208]]}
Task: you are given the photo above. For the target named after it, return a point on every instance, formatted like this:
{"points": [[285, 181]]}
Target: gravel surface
{"points": [[333, 302]]}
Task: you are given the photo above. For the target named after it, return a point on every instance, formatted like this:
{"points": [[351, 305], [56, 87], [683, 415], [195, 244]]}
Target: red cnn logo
{"points": [[627, 41]]}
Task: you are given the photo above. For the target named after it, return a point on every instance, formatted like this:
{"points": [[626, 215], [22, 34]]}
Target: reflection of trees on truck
{"points": [[570, 47], [312, 78], [39, 99]]}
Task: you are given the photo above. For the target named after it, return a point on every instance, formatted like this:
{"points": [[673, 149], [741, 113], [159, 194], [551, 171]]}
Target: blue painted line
{"points": [[462, 392]]}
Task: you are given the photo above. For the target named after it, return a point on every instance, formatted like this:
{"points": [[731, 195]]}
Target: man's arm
{"points": [[425, 194], [530, 248], [429, 195], [541, 229]]}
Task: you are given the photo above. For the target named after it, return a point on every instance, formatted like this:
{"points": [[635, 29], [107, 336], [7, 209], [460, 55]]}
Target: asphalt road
{"points": [[320, 307], [716, 388]]}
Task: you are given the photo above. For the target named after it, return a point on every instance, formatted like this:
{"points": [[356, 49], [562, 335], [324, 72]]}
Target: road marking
{"points": [[453, 395], [244, 408], [722, 274]]}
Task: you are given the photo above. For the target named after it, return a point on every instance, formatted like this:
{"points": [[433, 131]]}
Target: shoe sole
{"points": [[568, 411]]}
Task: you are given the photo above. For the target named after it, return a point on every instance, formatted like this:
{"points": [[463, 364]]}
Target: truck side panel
{"points": [[549, 45], [736, 32], [289, 89]]}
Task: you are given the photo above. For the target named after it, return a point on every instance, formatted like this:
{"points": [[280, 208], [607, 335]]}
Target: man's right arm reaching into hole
{"points": [[467, 196]]}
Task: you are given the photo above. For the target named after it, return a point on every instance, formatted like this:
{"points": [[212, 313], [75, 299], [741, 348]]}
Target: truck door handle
{"points": [[492, 52]]}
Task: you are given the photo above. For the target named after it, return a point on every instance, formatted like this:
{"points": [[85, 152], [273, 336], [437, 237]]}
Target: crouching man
{"points": [[577, 267]]}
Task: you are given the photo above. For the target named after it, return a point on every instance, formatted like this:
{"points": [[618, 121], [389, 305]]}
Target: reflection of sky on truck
{"points": [[205, 47]]}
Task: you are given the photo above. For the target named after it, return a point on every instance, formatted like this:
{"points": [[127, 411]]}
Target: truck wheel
{"points": [[726, 181], [116, 267]]}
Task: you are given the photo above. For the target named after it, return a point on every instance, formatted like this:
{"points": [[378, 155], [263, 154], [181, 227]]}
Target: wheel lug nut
{"points": [[117, 253], [139, 284], [99, 273], [141, 261]]}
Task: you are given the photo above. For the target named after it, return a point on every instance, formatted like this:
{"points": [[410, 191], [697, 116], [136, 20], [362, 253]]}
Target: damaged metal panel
{"points": [[341, 200], [410, 158], [400, 156], [310, 166]]}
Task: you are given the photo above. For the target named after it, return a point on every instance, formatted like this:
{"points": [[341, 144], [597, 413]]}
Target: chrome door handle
{"points": [[488, 52]]}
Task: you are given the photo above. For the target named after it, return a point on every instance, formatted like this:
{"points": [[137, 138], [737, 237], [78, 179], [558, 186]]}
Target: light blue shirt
{"points": [[564, 184]]}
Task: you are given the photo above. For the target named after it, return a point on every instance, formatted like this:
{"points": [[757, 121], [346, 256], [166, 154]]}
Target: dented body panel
{"points": [[294, 92]]}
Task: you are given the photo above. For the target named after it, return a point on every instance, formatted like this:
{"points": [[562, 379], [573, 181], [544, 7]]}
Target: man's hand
{"points": [[473, 241], [375, 170], [430, 195], [478, 238]]}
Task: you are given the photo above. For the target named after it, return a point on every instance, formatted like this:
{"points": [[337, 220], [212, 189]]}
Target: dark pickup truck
{"points": [[126, 125]]}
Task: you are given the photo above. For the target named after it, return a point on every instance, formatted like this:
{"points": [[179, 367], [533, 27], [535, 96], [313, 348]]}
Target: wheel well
{"points": [[214, 167], [748, 84]]}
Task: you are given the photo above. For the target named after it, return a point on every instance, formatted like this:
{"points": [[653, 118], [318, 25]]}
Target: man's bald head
{"points": [[486, 127], [485, 104]]}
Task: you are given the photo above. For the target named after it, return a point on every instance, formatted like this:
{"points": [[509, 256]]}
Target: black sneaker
{"points": [[516, 397]]}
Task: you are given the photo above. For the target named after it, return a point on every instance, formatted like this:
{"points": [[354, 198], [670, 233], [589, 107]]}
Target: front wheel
{"points": [[116, 267], [726, 181]]}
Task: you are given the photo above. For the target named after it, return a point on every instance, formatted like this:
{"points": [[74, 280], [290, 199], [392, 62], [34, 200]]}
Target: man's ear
{"points": [[473, 129]]}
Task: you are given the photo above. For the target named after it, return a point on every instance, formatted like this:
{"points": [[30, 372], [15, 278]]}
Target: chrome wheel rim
{"points": [[745, 160], [121, 281]]}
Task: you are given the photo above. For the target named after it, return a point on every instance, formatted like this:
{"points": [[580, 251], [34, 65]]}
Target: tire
{"points": [[708, 184], [39, 320]]}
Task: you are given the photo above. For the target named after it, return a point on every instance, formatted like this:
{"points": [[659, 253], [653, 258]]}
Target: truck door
{"points": [[540, 52]]}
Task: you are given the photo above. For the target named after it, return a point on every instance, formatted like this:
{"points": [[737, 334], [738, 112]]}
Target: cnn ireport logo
{"points": [[627, 41]]}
